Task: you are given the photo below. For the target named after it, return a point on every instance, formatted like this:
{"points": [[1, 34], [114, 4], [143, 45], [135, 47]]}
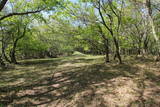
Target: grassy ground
{"points": [[81, 81]]}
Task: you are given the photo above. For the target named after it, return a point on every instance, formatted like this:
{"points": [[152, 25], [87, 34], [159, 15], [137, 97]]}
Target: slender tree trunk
{"points": [[117, 50], [156, 37], [3, 52], [106, 43], [5, 56], [13, 50], [2, 64], [148, 5], [12, 53]]}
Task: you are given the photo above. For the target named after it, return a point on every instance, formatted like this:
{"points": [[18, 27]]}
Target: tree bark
{"points": [[117, 50], [13, 50], [106, 43], [20, 14], [12, 53], [2, 4], [4, 55], [148, 5], [2, 63], [3, 51]]}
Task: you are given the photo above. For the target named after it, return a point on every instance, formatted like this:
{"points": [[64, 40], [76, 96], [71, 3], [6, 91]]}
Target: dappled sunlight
{"points": [[152, 92], [77, 82], [119, 91]]}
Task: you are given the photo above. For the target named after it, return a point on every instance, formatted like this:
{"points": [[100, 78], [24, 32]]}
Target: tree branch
{"points": [[103, 20], [17, 14], [2, 4]]}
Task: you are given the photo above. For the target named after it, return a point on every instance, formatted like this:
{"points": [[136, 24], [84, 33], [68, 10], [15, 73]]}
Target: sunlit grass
{"points": [[77, 76]]}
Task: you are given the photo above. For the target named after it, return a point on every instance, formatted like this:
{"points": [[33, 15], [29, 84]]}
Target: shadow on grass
{"points": [[39, 62], [33, 69], [61, 85], [144, 59], [126, 68], [154, 78], [149, 91], [56, 61]]}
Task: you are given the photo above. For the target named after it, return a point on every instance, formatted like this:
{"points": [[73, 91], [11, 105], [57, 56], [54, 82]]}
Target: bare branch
{"points": [[2, 4], [17, 14]]}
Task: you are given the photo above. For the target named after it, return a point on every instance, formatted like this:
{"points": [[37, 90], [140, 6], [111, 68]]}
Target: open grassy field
{"points": [[81, 81]]}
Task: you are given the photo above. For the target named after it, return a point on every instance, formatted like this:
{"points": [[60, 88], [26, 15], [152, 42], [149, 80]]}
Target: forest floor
{"points": [[81, 81]]}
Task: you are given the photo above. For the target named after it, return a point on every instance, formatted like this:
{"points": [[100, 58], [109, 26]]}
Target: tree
{"points": [[21, 32], [19, 8], [27, 7], [150, 18], [114, 17]]}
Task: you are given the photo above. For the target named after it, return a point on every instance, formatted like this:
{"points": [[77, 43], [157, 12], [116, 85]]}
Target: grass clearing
{"points": [[80, 81]]}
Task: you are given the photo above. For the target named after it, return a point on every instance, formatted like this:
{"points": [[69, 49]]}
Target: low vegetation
{"points": [[81, 81]]}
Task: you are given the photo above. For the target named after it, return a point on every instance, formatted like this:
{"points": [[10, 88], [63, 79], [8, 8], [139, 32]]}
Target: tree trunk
{"points": [[13, 57], [4, 54], [12, 53], [13, 50], [148, 5], [2, 64], [117, 50], [106, 43]]}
